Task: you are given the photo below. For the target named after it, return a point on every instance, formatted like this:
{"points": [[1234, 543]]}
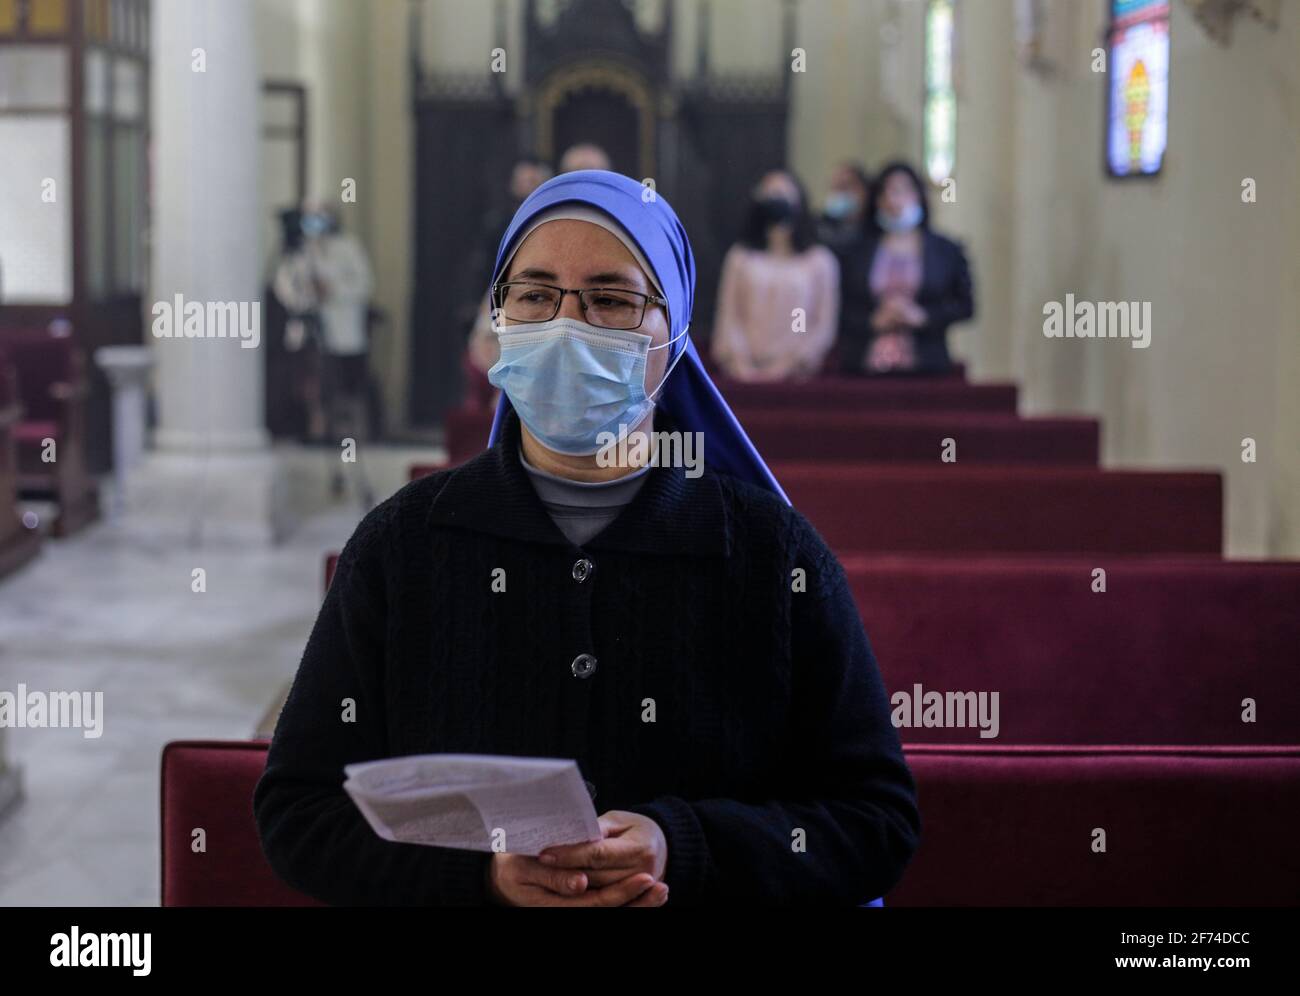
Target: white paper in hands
{"points": [[461, 800]]}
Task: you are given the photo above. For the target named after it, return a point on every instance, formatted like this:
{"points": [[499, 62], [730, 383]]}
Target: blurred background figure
{"points": [[584, 155], [527, 174], [324, 282], [290, 310], [481, 352], [903, 286], [778, 298], [842, 223]]}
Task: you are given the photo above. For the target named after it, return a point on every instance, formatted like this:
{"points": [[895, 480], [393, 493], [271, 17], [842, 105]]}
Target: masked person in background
{"points": [[481, 350], [544, 600], [778, 298], [329, 277], [840, 226], [902, 286]]}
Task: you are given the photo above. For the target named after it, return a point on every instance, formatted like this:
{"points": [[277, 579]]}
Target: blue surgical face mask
{"points": [[314, 225], [840, 204], [571, 381], [906, 221]]}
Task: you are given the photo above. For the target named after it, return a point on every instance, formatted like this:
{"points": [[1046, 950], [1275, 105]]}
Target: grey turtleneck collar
{"points": [[581, 509]]}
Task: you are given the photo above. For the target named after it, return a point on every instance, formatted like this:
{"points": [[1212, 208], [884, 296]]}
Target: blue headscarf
{"points": [[689, 397]]}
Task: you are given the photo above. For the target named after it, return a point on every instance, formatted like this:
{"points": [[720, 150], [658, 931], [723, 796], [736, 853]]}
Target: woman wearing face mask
{"points": [[903, 285], [682, 633], [778, 298]]}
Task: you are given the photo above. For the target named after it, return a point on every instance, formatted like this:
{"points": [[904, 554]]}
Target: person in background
{"points": [[903, 285], [778, 299], [584, 155], [293, 373], [841, 224], [329, 275], [528, 173]]}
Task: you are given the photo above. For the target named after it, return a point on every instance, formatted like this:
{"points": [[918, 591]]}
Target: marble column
{"points": [[211, 476]]}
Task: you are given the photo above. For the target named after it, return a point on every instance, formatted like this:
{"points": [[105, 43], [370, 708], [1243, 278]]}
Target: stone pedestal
{"points": [[127, 369], [231, 499]]}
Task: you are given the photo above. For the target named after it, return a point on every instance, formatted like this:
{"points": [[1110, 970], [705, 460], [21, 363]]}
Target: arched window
{"points": [[940, 118]]}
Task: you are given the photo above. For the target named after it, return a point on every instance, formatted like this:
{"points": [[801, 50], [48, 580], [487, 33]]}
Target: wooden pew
{"points": [[18, 544], [52, 386]]}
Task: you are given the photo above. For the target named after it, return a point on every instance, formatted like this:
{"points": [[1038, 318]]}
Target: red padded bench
{"points": [[52, 386], [887, 508], [1003, 826], [926, 509], [861, 394], [1165, 655], [209, 784], [1071, 666], [1185, 826], [957, 371], [885, 437]]}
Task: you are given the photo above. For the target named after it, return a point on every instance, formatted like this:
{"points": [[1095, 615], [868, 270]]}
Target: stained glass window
{"points": [[1138, 103], [940, 120]]}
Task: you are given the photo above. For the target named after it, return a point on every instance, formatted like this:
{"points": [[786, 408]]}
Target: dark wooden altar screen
{"points": [[590, 75]]}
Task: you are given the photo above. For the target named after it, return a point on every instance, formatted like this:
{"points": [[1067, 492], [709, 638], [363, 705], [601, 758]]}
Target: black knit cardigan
{"points": [[702, 659]]}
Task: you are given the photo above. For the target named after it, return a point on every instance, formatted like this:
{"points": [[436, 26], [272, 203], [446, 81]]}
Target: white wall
{"points": [[1220, 274]]}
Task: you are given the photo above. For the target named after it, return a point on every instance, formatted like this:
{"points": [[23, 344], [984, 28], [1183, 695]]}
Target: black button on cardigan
{"points": [[740, 709]]}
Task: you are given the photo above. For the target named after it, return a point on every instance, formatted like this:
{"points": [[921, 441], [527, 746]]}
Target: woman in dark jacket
{"points": [[682, 633], [902, 286]]}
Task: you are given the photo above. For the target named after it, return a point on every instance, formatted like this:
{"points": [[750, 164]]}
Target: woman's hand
{"points": [[891, 351], [885, 317], [521, 880], [621, 869], [738, 369], [911, 313], [804, 368], [634, 847], [771, 371]]}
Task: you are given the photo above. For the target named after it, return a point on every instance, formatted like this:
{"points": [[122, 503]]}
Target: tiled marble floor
{"points": [[98, 613]]}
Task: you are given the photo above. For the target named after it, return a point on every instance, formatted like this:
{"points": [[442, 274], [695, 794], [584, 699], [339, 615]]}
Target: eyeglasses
{"points": [[606, 307]]}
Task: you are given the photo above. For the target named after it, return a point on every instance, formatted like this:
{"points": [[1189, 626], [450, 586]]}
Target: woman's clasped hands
{"points": [[624, 868]]}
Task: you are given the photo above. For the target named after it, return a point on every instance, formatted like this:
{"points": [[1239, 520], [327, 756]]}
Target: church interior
{"points": [[1077, 503]]}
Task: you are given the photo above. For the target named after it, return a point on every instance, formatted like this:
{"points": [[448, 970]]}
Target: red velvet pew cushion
{"points": [[33, 433], [869, 436], [1001, 826], [1165, 655], [889, 508], [857, 394], [43, 359], [8, 380], [1184, 826]]}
